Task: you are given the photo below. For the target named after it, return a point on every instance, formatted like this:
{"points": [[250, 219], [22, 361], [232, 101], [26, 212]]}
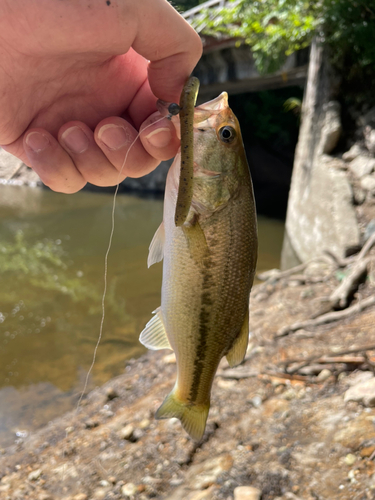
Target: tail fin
{"points": [[193, 417]]}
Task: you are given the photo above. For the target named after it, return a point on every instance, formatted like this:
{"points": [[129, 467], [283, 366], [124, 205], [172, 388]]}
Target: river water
{"points": [[52, 250]]}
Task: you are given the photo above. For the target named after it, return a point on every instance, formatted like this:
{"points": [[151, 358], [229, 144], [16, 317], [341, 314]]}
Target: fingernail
{"points": [[114, 136], [75, 140], [37, 141], [160, 137]]}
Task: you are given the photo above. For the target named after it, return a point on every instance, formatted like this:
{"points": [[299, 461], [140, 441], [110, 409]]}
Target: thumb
{"points": [[170, 44]]}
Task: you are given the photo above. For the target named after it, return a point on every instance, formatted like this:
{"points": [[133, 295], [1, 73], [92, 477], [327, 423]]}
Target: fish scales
{"points": [[209, 265], [217, 298]]}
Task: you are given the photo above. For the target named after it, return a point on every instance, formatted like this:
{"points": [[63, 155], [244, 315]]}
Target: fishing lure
{"points": [[188, 100]]}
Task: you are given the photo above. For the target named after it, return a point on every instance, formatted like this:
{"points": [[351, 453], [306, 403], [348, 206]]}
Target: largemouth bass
{"points": [[209, 266]]}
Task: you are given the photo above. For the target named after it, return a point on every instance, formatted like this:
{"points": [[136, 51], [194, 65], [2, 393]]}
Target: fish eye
{"points": [[227, 134]]}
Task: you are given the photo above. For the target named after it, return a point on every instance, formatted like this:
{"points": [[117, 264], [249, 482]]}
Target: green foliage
{"points": [[293, 104], [45, 267], [182, 5], [349, 27], [273, 28], [277, 28], [42, 265]]}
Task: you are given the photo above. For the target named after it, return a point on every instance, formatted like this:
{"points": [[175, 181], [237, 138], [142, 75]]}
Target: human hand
{"points": [[75, 86]]}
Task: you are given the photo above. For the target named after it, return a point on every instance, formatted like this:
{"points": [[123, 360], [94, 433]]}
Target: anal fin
{"points": [[154, 335], [238, 350]]}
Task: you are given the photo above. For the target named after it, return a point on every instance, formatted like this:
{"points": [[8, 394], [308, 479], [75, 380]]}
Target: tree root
{"points": [[331, 360], [359, 266], [328, 317], [340, 297]]}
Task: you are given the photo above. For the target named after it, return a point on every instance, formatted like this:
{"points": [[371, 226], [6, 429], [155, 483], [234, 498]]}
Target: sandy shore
{"points": [[302, 429]]}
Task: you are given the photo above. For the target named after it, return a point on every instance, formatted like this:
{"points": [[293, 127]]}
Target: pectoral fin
{"points": [[154, 335], [237, 353], [156, 249]]}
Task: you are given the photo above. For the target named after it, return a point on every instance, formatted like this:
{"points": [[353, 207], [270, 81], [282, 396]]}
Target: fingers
{"points": [[53, 165], [170, 44], [159, 137], [136, 156], [104, 157]]}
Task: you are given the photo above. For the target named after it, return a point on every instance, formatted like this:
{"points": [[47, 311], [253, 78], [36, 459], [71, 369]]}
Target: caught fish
{"points": [[209, 265]]}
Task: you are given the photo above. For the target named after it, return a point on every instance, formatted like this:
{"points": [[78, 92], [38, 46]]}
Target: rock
{"points": [[80, 496], [290, 496], [143, 424], [247, 493], [226, 384], [362, 166], [368, 183], [111, 393], [205, 473], [91, 423], [320, 212], [367, 451], [359, 377], [207, 494], [332, 128], [100, 493], [369, 134], [203, 482], [137, 434], [359, 195], [353, 152], [350, 459], [34, 475], [333, 162], [256, 401], [370, 230], [45, 496], [289, 394], [126, 432], [353, 433], [128, 490], [324, 375], [367, 119], [169, 358], [320, 216], [363, 392]]}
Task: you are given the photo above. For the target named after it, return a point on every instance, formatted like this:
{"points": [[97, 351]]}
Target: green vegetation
{"points": [[42, 265], [45, 267], [182, 5], [277, 28]]}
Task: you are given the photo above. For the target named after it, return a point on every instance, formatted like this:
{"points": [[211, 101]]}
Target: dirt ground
{"points": [[296, 420]]}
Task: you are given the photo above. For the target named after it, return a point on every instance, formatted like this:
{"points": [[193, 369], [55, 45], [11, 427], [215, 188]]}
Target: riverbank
{"points": [[295, 421]]}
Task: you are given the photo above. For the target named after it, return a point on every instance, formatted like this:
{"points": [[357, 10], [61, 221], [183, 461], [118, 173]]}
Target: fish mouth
{"points": [[202, 172], [205, 115], [218, 104]]}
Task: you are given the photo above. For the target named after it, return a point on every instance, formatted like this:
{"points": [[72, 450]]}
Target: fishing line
{"points": [[106, 260]]}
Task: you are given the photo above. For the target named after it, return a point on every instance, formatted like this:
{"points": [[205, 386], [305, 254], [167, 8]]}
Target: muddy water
{"points": [[52, 250]]}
